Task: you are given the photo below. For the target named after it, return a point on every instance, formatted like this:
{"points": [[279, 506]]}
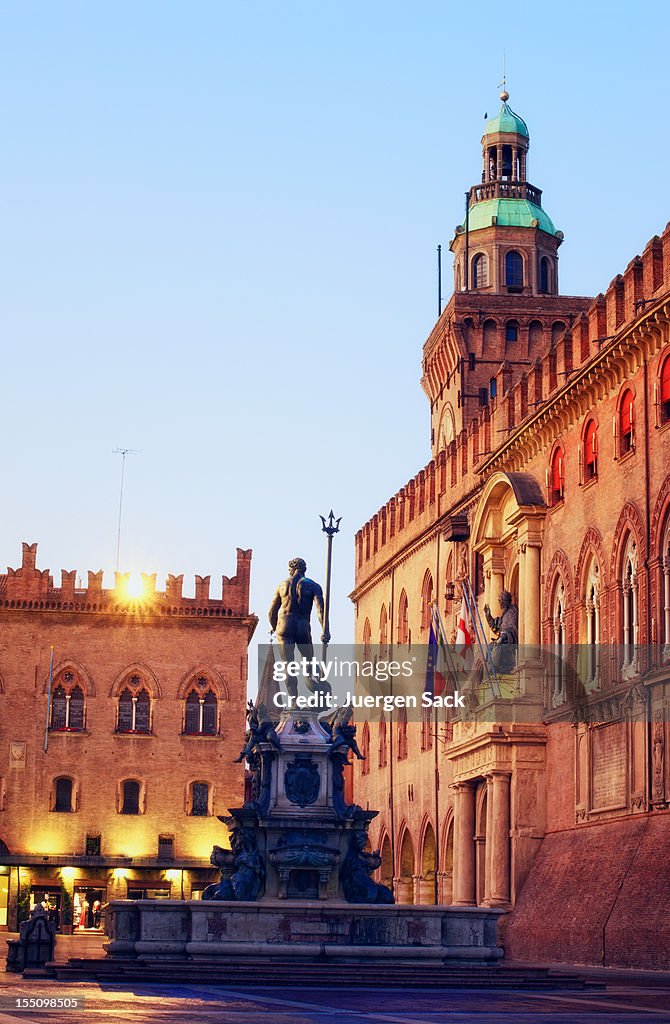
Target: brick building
{"points": [[550, 478], [144, 697]]}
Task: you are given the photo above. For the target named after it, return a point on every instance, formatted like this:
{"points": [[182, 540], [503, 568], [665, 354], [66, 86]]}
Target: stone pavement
{"points": [[183, 1004]]}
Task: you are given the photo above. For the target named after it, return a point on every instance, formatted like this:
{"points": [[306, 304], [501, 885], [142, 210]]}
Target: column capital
{"points": [[500, 774]]}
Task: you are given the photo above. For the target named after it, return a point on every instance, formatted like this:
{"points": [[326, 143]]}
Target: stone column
{"points": [[515, 157], [498, 838], [464, 845], [532, 589], [522, 594], [488, 866], [499, 163]]}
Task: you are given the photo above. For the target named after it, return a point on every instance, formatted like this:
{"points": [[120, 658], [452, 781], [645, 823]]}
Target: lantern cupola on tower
{"points": [[507, 243]]}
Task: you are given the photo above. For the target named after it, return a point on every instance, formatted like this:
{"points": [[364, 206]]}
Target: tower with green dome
{"points": [[507, 243]]}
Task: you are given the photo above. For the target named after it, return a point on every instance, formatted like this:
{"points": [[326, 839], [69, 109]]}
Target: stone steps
{"points": [[319, 973]]}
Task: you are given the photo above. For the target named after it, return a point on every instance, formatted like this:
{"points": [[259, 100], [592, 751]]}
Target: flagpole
{"points": [[51, 679]]}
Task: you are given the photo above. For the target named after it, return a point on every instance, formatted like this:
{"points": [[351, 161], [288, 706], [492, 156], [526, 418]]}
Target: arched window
{"points": [[626, 423], [402, 734], [544, 275], [557, 331], [63, 794], [426, 601], [489, 337], [535, 335], [134, 708], [514, 270], [558, 624], [665, 589], [199, 800], [365, 749], [67, 703], [383, 631], [665, 391], [629, 611], [512, 330], [480, 270], [426, 728], [592, 622], [403, 619], [367, 639], [130, 796], [200, 709], [590, 452], [382, 751], [556, 477]]}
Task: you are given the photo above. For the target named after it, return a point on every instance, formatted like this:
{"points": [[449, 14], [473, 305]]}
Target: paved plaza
{"points": [[137, 1004]]}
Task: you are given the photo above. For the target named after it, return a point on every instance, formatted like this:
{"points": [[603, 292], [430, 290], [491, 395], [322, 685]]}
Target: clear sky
{"points": [[219, 224]]}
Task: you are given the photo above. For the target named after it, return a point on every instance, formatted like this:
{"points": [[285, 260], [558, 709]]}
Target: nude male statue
{"points": [[290, 614]]}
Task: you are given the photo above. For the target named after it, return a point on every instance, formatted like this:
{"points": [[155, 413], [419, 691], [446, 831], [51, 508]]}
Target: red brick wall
{"points": [[598, 894]]}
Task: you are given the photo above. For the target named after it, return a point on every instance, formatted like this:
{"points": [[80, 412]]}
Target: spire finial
{"points": [[504, 95]]}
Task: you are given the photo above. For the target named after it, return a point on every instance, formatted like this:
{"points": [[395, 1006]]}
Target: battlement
{"points": [[33, 588], [593, 336]]}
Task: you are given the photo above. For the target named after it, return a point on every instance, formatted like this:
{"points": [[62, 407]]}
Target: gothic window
{"points": [[665, 589], [592, 620], [201, 709], [558, 625], [403, 619], [63, 794], [514, 270], [426, 602], [511, 330], [383, 631], [199, 799], [626, 423], [365, 749], [426, 728], [480, 270], [67, 703], [367, 637], [629, 610], [134, 709], [402, 734], [665, 392], [382, 752], [544, 275], [130, 796], [590, 452], [556, 477]]}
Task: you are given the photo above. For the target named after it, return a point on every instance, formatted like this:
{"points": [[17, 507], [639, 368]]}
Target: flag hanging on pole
{"points": [[464, 638], [436, 666]]}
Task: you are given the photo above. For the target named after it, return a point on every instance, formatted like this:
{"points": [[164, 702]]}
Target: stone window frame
{"points": [[141, 799], [74, 795], [189, 798]]}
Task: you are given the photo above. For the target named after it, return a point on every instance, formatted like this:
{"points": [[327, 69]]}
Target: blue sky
{"points": [[219, 225]]}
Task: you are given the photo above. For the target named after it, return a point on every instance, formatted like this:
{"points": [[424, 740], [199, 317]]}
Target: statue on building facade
{"points": [[506, 629], [290, 614]]}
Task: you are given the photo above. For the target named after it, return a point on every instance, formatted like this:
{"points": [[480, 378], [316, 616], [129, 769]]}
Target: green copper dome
{"points": [[518, 213], [506, 121]]}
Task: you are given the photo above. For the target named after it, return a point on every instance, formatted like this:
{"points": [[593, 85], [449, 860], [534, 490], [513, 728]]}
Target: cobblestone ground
{"points": [[629, 1002]]}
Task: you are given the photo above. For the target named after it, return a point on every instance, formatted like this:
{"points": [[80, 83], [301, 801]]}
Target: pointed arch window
{"points": [[514, 270], [480, 270], [558, 625], [403, 619], [664, 387], [556, 477], [367, 639], [383, 631], [626, 423], [590, 453], [134, 708], [629, 611], [365, 749], [382, 750], [201, 709], [592, 622], [402, 734], [426, 601], [67, 704]]}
